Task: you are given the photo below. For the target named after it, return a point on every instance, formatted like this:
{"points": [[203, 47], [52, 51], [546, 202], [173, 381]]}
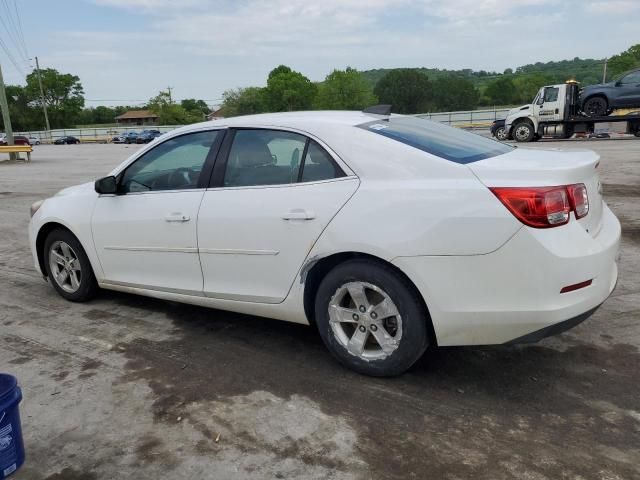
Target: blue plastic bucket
{"points": [[11, 446]]}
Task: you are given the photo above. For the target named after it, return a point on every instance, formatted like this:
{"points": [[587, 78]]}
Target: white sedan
{"points": [[390, 234]]}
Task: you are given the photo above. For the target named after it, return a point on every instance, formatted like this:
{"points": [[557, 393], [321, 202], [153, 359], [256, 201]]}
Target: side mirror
{"points": [[106, 185]]}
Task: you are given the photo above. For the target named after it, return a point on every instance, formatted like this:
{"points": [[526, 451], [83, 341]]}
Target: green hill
{"points": [[586, 70]]}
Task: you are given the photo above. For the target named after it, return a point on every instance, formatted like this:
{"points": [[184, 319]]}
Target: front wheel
{"points": [[523, 132], [370, 318], [68, 267]]}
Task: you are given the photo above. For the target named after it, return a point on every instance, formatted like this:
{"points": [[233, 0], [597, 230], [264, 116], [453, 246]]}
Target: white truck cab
{"points": [[546, 115]]}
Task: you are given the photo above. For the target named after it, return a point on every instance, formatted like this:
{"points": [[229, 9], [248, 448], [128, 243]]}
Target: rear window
{"points": [[437, 139]]}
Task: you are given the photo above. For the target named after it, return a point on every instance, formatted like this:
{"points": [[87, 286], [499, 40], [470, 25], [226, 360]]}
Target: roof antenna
{"points": [[379, 110]]}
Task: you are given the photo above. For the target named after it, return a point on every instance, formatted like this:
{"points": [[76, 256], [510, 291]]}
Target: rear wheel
{"points": [[523, 132], [68, 267], [370, 318], [596, 106]]}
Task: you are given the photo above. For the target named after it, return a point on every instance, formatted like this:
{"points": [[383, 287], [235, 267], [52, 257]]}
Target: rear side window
{"points": [[437, 139], [318, 165], [274, 157]]}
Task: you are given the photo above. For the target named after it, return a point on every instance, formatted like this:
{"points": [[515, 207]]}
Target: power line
{"points": [[19, 20], [13, 61], [12, 35]]}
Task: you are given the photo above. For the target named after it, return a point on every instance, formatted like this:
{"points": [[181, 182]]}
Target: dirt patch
{"points": [[469, 412], [620, 190], [71, 474], [631, 233], [91, 365]]}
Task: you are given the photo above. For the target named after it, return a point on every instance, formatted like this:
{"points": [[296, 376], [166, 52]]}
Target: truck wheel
{"points": [[501, 134], [596, 107], [523, 132]]}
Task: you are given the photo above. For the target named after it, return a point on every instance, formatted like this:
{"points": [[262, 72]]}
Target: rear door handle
{"points": [[177, 217], [299, 214]]}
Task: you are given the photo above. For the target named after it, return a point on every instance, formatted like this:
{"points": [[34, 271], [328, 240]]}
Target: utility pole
{"points": [[5, 115], [44, 104], [604, 74], [169, 90]]}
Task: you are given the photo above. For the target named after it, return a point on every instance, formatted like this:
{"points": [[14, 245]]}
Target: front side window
{"points": [[175, 164], [632, 79], [437, 139], [551, 94]]}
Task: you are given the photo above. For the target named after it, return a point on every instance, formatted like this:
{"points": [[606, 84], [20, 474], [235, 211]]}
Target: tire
{"points": [[501, 134], [85, 286], [523, 132], [403, 328], [596, 106]]}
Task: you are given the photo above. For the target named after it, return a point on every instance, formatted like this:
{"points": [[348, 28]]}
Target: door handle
{"points": [[299, 214], [177, 217]]}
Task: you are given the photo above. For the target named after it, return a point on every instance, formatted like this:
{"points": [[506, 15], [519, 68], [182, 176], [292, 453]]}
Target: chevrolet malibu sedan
{"points": [[390, 234]]}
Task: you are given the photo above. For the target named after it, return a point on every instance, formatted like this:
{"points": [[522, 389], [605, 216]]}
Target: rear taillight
{"points": [[579, 199], [544, 207]]}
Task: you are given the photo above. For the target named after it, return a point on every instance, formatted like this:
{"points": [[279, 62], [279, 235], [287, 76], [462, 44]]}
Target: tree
{"points": [[500, 92], [170, 113], [288, 90], [197, 108], [624, 61], [454, 93], [406, 89], [63, 95], [243, 101], [23, 115], [527, 86], [345, 90]]}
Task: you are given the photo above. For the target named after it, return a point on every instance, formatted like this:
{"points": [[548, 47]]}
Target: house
{"points": [[137, 117], [215, 115]]}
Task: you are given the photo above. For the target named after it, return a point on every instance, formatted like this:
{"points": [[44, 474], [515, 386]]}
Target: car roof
{"points": [[304, 120]]}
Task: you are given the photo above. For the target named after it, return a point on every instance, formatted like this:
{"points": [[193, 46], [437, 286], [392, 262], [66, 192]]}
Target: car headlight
{"points": [[36, 206]]}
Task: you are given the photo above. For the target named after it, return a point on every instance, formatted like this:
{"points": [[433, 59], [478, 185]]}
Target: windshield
{"points": [[437, 139]]}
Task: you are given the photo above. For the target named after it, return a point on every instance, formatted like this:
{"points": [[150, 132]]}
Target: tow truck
{"points": [[555, 113]]}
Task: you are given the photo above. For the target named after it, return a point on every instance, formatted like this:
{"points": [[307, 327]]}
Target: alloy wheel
{"points": [[365, 320], [65, 266]]}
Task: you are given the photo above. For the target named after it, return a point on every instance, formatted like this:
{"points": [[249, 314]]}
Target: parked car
{"points": [[147, 136], [34, 141], [130, 137], [68, 140], [17, 140], [497, 130], [599, 100], [391, 234]]}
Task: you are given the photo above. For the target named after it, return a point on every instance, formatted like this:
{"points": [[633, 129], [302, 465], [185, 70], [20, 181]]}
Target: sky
{"points": [[126, 51]]}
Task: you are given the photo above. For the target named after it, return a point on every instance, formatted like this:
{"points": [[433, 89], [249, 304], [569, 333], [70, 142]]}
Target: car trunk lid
{"points": [[546, 168]]}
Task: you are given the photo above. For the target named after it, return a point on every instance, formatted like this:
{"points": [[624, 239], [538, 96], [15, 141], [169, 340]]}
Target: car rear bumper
{"points": [[513, 292]]}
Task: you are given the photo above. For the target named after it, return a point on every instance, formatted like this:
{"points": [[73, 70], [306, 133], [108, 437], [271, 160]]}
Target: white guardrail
{"points": [[468, 118], [92, 135], [462, 119]]}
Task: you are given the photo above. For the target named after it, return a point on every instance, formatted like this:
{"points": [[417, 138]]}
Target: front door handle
{"points": [[177, 217], [299, 214]]}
